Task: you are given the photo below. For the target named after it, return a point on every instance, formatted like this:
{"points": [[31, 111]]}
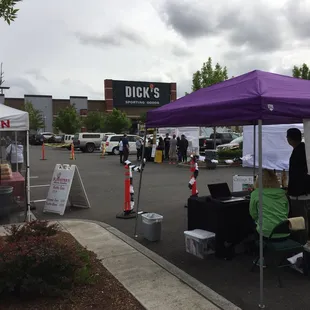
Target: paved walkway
{"points": [[157, 284]]}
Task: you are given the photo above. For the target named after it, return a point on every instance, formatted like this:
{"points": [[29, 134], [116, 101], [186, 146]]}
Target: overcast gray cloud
{"points": [[72, 46], [118, 37]]}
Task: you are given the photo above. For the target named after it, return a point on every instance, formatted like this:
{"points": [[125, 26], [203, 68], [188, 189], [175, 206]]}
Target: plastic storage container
{"points": [[151, 226], [199, 242]]}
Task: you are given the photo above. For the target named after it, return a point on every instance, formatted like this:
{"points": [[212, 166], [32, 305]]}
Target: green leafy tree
{"points": [[208, 75], [94, 121], [36, 120], [142, 118], [8, 11], [116, 121], [301, 72], [68, 121]]}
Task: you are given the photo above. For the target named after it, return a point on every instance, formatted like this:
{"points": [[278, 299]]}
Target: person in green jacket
{"points": [[275, 204]]}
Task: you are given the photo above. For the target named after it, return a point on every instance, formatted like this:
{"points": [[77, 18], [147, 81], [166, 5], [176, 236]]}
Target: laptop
{"points": [[221, 192]]}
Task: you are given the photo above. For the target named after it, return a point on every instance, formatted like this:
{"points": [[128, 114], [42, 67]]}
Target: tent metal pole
{"points": [[254, 152], [16, 164], [28, 178], [214, 138], [140, 183], [260, 194]]}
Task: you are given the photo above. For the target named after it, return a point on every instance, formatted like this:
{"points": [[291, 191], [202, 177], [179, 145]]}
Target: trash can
{"points": [[209, 156], [151, 226], [5, 200]]}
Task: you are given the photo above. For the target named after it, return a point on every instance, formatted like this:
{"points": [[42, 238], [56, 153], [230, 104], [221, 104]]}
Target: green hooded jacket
{"points": [[275, 209]]}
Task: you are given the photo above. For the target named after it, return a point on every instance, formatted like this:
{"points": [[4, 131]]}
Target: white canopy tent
{"points": [[14, 120], [274, 138]]}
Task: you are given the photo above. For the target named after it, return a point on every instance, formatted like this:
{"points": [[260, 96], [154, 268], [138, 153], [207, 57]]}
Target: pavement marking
{"points": [[34, 177], [45, 185]]}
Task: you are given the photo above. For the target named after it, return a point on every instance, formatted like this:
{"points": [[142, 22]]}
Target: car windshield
{"points": [[105, 138], [76, 137], [237, 140]]}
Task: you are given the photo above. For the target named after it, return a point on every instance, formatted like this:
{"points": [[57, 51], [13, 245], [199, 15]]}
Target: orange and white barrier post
{"points": [[129, 201], [72, 153], [43, 151], [194, 174], [102, 155]]}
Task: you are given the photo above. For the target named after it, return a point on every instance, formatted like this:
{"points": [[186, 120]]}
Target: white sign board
{"points": [[242, 183], [192, 135], [66, 186], [307, 140]]}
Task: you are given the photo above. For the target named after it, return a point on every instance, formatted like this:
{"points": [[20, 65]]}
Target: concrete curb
{"points": [[197, 286]]}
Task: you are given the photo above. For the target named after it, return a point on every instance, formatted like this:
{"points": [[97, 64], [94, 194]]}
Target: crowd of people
{"points": [[174, 149]]}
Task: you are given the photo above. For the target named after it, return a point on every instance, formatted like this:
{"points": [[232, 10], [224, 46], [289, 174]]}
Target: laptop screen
{"points": [[219, 190]]}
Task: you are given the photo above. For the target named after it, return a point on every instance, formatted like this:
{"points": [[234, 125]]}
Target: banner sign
{"points": [[128, 93], [242, 183], [66, 186]]}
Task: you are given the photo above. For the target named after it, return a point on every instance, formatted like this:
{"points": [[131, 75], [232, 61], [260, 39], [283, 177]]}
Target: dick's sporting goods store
{"points": [[136, 98]]}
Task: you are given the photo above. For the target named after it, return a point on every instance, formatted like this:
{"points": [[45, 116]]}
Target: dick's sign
{"points": [[126, 93]]}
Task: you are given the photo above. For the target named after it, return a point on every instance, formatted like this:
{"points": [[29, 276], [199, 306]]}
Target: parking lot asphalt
{"points": [[165, 191]]}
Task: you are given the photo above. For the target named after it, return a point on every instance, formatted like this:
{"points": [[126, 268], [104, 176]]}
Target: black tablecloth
{"points": [[231, 222]]}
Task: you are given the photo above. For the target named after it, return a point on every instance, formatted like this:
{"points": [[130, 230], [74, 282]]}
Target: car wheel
{"points": [[90, 148], [115, 151]]}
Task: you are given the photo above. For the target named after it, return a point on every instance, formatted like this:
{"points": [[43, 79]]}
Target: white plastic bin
{"points": [[151, 226], [199, 242]]}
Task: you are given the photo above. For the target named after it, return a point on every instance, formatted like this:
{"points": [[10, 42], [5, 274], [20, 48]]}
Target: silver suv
{"points": [[88, 141]]}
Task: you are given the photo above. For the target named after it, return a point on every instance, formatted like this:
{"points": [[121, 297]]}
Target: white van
{"points": [[68, 139], [112, 142]]}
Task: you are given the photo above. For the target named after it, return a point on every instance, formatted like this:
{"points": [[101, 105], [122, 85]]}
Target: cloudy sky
{"points": [[68, 47]]}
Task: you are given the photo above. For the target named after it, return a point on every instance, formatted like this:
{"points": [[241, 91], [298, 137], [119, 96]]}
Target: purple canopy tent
{"points": [[255, 98]]}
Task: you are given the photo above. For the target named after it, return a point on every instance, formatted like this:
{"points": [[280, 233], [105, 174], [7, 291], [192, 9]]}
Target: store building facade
{"points": [[133, 98]]}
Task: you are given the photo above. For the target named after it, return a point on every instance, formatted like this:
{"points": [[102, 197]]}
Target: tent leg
{"points": [[28, 179], [260, 182], [254, 152], [140, 184]]}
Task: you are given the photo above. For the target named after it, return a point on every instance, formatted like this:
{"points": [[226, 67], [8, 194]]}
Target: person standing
{"points": [[183, 148], [121, 153], [167, 146], [298, 183], [15, 155], [173, 150], [125, 148], [178, 150], [139, 148]]}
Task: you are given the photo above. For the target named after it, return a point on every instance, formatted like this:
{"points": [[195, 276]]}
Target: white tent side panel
{"points": [[276, 150], [13, 119]]}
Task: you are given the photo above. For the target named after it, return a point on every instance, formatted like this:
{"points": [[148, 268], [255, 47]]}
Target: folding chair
{"points": [[284, 247]]}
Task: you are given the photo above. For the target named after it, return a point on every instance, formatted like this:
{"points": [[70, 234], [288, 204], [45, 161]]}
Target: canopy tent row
{"points": [[14, 120], [254, 98]]}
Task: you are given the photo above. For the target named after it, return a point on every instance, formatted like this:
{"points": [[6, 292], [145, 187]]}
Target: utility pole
{"points": [[2, 80]]}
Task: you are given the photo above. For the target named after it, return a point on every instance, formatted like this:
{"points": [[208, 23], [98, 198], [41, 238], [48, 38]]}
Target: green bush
{"points": [[31, 229], [229, 154], [35, 265]]}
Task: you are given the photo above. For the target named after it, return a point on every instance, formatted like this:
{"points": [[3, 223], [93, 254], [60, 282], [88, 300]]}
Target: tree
{"points": [[94, 121], [142, 118], [116, 121], [8, 11], [301, 72], [68, 121], [208, 75], [36, 121]]}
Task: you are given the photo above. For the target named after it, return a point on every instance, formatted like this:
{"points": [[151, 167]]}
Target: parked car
{"points": [[220, 138], [233, 145], [88, 141], [112, 142], [47, 135]]}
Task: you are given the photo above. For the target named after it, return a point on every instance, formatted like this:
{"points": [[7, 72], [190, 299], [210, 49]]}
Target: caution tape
{"points": [[58, 145]]}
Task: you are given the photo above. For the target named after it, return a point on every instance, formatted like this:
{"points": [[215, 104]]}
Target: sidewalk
{"points": [[154, 282]]}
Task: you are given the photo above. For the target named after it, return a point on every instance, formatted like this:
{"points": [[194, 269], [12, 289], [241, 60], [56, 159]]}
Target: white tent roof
{"points": [[13, 119]]}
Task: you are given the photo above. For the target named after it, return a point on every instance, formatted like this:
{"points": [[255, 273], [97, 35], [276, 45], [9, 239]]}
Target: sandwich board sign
{"points": [[66, 187]]}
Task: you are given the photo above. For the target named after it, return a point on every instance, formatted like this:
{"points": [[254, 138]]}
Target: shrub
{"points": [[35, 261], [31, 229], [229, 154]]}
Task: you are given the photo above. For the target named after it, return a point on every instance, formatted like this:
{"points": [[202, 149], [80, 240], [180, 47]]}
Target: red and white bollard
{"points": [[194, 174]]}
